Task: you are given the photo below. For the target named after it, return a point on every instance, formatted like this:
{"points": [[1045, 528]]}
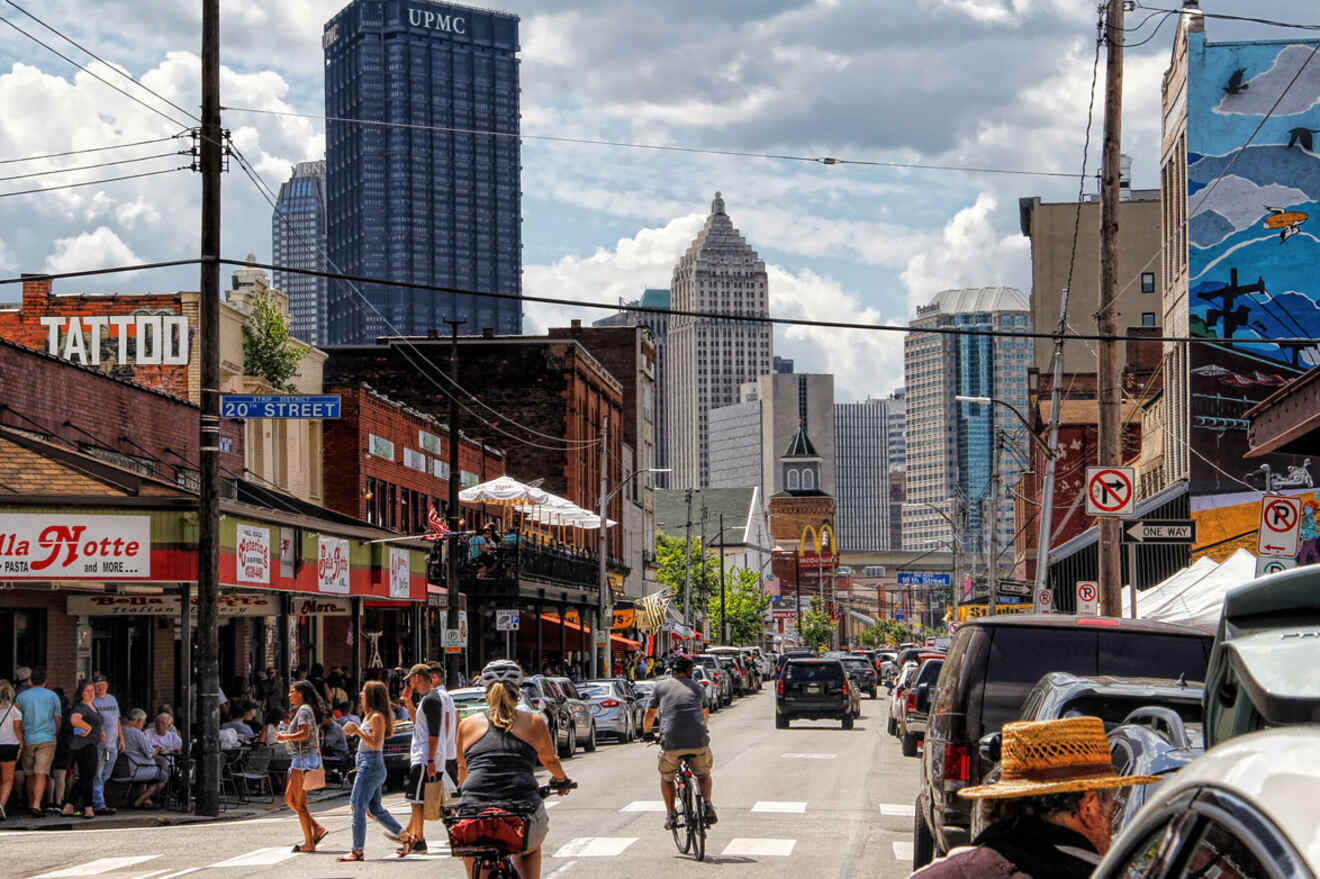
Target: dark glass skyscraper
{"points": [[411, 201], [297, 233]]}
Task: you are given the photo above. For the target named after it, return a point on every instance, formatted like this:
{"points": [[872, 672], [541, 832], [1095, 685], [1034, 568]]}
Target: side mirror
{"points": [[988, 747]]}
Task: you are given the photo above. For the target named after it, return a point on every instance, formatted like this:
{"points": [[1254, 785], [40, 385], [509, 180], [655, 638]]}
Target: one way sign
{"points": [[1160, 531]]}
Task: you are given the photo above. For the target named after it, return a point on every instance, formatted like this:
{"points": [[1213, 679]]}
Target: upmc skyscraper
{"points": [[422, 199]]}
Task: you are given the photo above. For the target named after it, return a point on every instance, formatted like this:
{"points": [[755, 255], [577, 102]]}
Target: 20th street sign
{"points": [[1160, 531]]}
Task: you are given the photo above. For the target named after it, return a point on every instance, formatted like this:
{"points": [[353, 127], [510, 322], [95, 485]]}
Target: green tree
{"points": [[670, 557], [268, 349], [746, 604], [817, 627]]}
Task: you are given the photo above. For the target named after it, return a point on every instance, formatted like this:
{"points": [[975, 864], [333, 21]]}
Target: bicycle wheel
{"points": [[683, 806], [698, 831]]}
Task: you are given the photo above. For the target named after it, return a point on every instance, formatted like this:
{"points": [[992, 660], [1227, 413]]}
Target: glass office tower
{"points": [[298, 241], [422, 198]]}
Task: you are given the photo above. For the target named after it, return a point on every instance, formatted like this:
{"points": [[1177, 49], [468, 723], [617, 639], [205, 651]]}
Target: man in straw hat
{"points": [[1058, 786]]}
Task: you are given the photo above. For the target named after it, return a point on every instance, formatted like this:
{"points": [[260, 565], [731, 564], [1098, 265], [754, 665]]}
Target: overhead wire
{"points": [[100, 149], [94, 183], [1227, 17], [86, 167]]}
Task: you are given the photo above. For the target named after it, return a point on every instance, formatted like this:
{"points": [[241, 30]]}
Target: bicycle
{"points": [[690, 825], [492, 856]]}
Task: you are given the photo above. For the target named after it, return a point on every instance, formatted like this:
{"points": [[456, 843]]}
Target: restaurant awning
{"points": [[617, 642]]}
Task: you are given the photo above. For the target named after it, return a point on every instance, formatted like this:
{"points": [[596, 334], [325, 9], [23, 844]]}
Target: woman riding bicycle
{"points": [[497, 755]]}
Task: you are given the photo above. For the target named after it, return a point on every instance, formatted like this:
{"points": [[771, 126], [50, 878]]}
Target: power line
{"points": [[1227, 17], [741, 154], [86, 167], [92, 183], [118, 146], [88, 51], [174, 122]]}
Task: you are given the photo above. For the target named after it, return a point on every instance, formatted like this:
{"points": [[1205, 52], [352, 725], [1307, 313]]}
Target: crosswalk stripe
{"points": [[758, 848], [644, 806], [898, 810], [262, 857], [98, 866], [550, 804], [432, 855], [784, 808], [179, 873], [795, 756], [902, 850], [595, 847]]}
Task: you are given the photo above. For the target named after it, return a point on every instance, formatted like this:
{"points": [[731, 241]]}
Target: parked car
{"points": [[1263, 666], [917, 706], [863, 672], [737, 676], [1151, 741], [813, 689], [992, 666], [1244, 809], [584, 722], [644, 689], [709, 690], [611, 708], [544, 697], [397, 752], [718, 675], [898, 704], [749, 672]]}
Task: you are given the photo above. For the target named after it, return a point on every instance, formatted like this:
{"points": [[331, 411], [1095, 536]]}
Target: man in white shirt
{"points": [[449, 728]]}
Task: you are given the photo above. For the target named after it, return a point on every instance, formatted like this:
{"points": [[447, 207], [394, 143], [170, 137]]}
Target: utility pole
{"points": [[797, 584], [687, 564], [705, 586], [211, 154], [1110, 432], [724, 620], [992, 539], [955, 543], [1045, 527], [606, 601], [455, 521]]}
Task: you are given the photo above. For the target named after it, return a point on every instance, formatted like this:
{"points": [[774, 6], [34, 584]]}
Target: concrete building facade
{"points": [[735, 446], [658, 323], [861, 448], [708, 359]]}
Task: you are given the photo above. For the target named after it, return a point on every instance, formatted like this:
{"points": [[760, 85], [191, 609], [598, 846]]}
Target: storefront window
{"points": [[22, 639]]}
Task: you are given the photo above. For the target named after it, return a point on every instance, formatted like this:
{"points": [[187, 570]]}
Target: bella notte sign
{"points": [[75, 547]]}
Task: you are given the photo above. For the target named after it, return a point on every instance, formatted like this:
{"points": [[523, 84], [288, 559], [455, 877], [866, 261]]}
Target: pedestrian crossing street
{"points": [[150, 866]]}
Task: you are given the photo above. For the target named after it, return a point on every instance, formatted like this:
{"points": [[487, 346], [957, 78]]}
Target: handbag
{"points": [[313, 779], [433, 799], [492, 826]]}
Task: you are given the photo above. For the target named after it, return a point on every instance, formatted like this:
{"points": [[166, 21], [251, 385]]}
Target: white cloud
{"points": [[7, 263], [1262, 91], [968, 253], [91, 250]]}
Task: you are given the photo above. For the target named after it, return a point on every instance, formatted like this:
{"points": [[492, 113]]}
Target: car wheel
{"points": [[847, 721], [781, 721], [909, 744], [629, 734], [569, 745], [590, 744], [923, 844]]}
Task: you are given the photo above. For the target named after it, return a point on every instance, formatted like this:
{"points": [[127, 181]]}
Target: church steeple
{"points": [[800, 464]]}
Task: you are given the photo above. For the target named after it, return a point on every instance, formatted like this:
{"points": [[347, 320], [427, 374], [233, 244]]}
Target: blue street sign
{"points": [[278, 406], [898, 616], [924, 578]]}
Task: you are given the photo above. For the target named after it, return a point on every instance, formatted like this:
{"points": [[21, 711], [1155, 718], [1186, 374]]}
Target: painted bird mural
{"points": [[1235, 84], [1302, 137]]}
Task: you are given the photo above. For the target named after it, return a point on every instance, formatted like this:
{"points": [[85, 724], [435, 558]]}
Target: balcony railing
{"points": [[499, 570]]}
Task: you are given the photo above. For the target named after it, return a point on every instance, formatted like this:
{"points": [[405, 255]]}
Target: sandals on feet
{"points": [[316, 840], [410, 844], [354, 855], [302, 849]]}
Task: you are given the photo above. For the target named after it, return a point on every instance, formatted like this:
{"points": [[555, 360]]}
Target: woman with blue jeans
{"points": [[375, 729]]}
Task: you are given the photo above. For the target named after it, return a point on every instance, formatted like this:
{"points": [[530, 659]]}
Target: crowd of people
{"points": [[66, 748]]}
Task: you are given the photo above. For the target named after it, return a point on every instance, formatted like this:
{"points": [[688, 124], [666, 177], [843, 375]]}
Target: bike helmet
{"points": [[505, 670], [682, 664]]}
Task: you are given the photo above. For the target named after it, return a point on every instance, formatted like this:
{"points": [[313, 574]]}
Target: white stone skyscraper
{"points": [[709, 359]]}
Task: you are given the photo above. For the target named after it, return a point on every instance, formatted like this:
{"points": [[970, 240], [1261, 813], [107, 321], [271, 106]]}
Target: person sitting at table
{"points": [[274, 717], [146, 775], [164, 740], [241, 716], [334, 744]]}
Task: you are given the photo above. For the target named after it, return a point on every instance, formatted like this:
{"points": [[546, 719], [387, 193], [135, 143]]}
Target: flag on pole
{"points": [[435, 526]]}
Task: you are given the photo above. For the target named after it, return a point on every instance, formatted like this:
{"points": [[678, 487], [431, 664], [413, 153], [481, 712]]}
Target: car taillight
{"points": [[779, 687], [538, 704], [957, 763], [912, 700], [610, 703], [845, 688]]}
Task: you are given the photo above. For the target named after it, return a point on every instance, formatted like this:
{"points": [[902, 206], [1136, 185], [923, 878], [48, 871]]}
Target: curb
{"points": [[155, 819]]}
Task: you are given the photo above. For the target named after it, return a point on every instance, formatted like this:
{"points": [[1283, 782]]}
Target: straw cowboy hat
{"points": [[1054, 757]]}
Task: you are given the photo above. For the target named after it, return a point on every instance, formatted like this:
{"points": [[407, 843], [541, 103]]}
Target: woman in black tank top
{"points": [[497, 755]]}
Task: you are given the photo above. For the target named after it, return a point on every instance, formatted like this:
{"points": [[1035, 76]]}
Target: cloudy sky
{"points": [[984, 83]]}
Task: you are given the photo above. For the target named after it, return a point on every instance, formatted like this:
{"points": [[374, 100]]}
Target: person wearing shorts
{"points": [[41, 711], [11, 742], [680, 703], [426, 753]]}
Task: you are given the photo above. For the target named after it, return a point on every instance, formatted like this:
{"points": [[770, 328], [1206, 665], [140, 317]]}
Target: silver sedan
{"points": [[610, 709]]}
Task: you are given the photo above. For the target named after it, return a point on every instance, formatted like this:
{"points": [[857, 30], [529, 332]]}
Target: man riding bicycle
{"points": [[683, 733]]}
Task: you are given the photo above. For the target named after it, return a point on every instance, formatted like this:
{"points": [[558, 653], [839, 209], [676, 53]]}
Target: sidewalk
{"points": [[129, 818]]}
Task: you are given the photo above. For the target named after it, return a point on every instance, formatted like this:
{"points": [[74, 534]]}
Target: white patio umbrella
{"points": [[504, 489]]}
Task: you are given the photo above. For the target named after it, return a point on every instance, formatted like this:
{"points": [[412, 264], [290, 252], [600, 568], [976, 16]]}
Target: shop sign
{"points": [[624, 618], [320, 607], [400, 573], [332, 565], [252, 554], [972, 611], [286, 553], [168, 605], [74, 547], [463, 626], [157, 339]]}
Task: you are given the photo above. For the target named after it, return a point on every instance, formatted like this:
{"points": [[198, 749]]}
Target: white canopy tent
{"points": [[1196, 598], [1181, 579]]}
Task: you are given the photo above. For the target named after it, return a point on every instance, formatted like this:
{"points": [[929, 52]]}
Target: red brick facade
{"points": [[106, 417], [354, 469], [24, 327]]}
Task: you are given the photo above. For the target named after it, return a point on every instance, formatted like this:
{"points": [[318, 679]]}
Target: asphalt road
{"points": [[812, 800]]}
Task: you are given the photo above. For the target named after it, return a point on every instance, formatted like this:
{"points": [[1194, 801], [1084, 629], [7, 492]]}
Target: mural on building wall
{"points": [[1252, 245]]}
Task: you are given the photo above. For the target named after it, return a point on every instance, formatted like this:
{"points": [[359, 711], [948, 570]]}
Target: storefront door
{"points": [[22, 639], [121, 650]]}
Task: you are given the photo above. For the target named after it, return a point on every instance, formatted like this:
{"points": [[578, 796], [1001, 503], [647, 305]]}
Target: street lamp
{"points": [[605, 599]]}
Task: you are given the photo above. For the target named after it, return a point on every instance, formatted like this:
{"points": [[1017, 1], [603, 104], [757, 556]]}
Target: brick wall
{"points": [[552, 385], [24, 327], [50, 392], [61, 641], [162, 664]]}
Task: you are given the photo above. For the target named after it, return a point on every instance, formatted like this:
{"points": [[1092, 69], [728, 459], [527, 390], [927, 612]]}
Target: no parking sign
{"points": [[1088, 598]]}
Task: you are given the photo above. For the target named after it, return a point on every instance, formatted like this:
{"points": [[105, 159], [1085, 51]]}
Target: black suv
{"points": [[813, 689], [993, 663], [862, 672]]}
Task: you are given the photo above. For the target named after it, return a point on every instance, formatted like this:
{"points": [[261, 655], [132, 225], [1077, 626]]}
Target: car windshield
{"points": [[1113, 709], [856, 665], [805, 672]]}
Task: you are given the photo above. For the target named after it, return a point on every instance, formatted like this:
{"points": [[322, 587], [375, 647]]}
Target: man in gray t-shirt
{"points": [[683, 733]]}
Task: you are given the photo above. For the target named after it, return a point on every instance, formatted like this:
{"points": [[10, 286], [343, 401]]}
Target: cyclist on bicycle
{"points": [[683, 733], [498, 751]]}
